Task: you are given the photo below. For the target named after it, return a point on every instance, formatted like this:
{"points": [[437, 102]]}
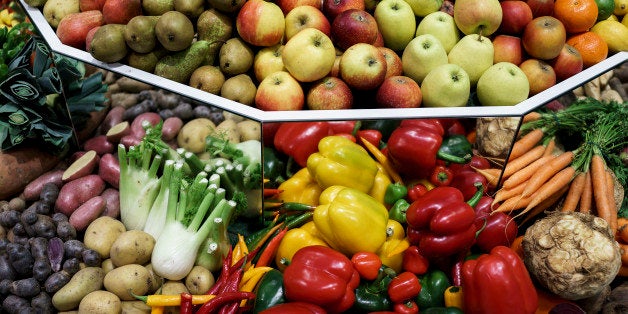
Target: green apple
{"points": [[478, 16], [446, 86], [421, 55], [396, 22], [309, 55], [442, 26], [268, 60], [474, 53], [424, 7], [502, 84]]}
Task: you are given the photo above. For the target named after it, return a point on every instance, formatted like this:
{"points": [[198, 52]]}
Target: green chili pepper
{"points": [[394, 192], [398, 211]]}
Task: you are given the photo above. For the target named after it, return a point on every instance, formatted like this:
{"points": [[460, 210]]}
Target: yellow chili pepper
{"points": [[391, 251], [380, 183], [161, 300], [251, 276], [454, 297], [296, 239], [301, 187]]}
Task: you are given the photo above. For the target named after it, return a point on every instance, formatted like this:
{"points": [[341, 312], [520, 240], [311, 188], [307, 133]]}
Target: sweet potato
{"points": [[87, 212], [76, 192], [100, 144], [109, 170], [21, 165], [33, 189]]}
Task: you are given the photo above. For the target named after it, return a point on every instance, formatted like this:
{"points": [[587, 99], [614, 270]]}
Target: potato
{"points": [[87, 212], [135, 307], [132, 247], [126, 279], [32, 190], [107, 265], [21, 165], [101, 234], [228, 130], [100, 144], [100, 301], [199, 280], [137, 127], [173, 287], [112, 196], [193, 133], [118, 131], [113, 117], [109, 169], [249, 130], [82, 283], [77, 192], [171, 128], [81, 167], [155, 279]]}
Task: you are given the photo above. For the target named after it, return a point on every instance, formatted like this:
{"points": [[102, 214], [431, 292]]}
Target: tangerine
{"points": [[591, 46], [577, 15]]}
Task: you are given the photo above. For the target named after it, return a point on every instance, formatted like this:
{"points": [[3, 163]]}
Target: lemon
{"points": [[613, 17], [614, 33], [604, 8], [621, 7], [625, 20]]}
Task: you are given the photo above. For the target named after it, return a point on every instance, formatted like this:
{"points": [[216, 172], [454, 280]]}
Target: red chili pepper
{"points": [[403, 287], [224, 273], [493, 228], [294, 308], [414, 262], [415, 191], [233, 281], [268, 254], [367, 264], [186, 303], [498, 282], [441, 176], [413, 146], [224, 298], [372, 136], [300, 139], [408, 307]]}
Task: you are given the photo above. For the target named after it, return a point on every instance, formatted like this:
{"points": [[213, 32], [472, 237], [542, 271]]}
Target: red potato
{"points": [[113, 117], [100, 144], [171, 128], [76, 155], [87, 212], [130, 140], [76, 192], [81, 167], [137, 129], [109, 170], [118, 131], [33, 189], [112, 196]]}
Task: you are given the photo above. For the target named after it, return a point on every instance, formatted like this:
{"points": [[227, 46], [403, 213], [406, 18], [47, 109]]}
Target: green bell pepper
{"points": [[394, 192], [398, 211], [274, 167], [269, 291], [372, 296], [433, 286], [442, 310], [456, 145]]}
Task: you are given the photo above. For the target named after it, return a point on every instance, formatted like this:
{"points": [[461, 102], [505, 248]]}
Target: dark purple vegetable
{"points": [[56, 281], [20, 258], [73, 248], [72, 265], [3, 244], [137, 109], [49, 193], [91, 258], [26, 288], [29, 215], [45, 227], [202, 112], [184, 110], [19, 230], [58, 217], [43, 208], [13, 304], [5, 286], [41, 269], [9, 218], [39, 247], [65, 230], [6, 270], [55, 253], [42, 303]]}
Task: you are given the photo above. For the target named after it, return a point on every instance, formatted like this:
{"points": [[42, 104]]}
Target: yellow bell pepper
{"points": [[296, 239], [380, 183], [340, 161], [350, 221], [301, 187], [454, 297], [391, 252]]}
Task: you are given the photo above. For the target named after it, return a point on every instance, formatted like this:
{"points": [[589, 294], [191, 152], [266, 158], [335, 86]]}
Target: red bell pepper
{"points": [[465, 177], [415, 191], [498, 282], [347, 126], [408, 307], [372, 136], [412, 147], [294, 308], [414, 262], [403, 287], [322, 276], [440, 223], [493, 228], [367, 264], [300, 139]]}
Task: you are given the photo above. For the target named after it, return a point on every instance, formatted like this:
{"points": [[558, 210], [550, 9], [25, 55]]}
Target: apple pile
{"points": [[334, 54]]}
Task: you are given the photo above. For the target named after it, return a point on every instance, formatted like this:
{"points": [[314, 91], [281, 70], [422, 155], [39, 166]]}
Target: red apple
{"points": [[329, 93], [335, 70], [363, 66], [332, 8], [87, 5], [279, 91], [267, 61], [353, 26], [541, 75], [507, 48], [261, 23], [121, 11], [516, 14], [544, 37], [541, 7], [379, 41], [306, 16], [399, 92], [568, 63], [287, 5], [74, 27], [394, 66], [447, 7]]}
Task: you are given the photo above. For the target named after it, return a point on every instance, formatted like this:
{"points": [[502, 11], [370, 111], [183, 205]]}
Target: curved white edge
{"points": [[520, 109]]}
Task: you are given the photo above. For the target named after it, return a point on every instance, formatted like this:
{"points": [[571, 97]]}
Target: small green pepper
{"points": [[433, 286], [394, 192], [456, 145], [398, 211], [442, 310], [373, 296], [269, 291], [274, 167]]}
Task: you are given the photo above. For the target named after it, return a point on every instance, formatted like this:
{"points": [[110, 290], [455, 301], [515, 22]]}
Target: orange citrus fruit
{"points": [[577, 15], [591, 46]]}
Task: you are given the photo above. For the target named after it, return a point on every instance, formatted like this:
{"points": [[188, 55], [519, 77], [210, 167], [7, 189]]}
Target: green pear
{"points": [[474, 53], [421, 55], [191, 8], [396, 22], [108, 44], [215, 27], [442, 26], [157, 7], [446, 86], [174, 31], [503, 84], [226, 6], [239, 88], [55, 10], [207, 78], [422, 8], [180, 65], [235, 57], [146, 61], [140, 33]]}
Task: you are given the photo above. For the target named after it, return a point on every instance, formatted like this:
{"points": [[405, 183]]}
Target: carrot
{"points": [[472, 136], [506, 193], [491, 174], [623, 271], [513, 203], [587, 195], [547, 203], [622, 229], [553, 185], [549, 147], [545, 173], [524, 174], [623, 249], [525, 143], [610, 196], [600, 192], [531, 116], [575, 191], [522, 161]]}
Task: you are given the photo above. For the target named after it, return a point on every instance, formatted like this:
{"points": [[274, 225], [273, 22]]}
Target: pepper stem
{"points": [[475, 199]]}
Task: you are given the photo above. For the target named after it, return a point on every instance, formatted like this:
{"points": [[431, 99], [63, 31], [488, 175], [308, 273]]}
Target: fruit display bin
{"points": [[520, 109]]}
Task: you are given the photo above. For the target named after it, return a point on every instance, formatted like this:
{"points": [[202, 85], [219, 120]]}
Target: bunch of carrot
{"points": [[538, 175]]}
